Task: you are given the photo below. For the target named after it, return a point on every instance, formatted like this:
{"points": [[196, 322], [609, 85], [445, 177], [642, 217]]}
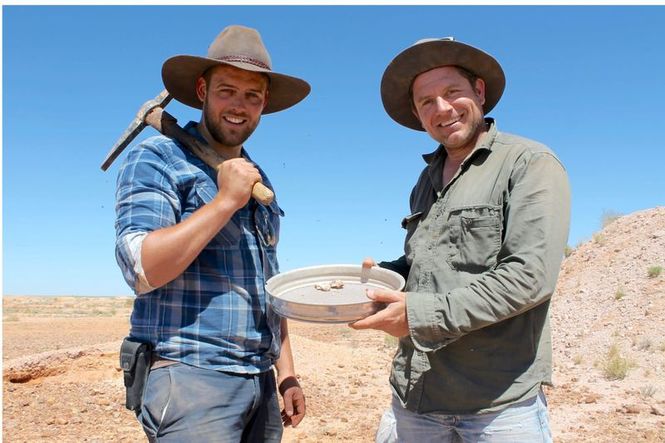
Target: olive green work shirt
{"points": [[482, 256]]}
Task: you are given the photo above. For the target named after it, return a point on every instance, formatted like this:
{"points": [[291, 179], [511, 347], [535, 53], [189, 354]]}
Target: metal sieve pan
{"points": [[297, 294]]}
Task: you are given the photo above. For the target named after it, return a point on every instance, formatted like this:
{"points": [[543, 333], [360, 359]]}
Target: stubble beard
{"points": [[471, 139], [230, 138]]}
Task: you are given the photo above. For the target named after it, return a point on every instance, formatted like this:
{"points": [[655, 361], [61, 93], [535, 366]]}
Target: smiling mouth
{"points": [[449, 123], [234, 120]]}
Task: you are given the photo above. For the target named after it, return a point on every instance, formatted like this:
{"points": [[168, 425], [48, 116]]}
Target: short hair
{"points": [[470, 76]]}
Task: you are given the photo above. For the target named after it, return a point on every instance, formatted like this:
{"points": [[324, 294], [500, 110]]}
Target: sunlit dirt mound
{"points": [[608, 322]]}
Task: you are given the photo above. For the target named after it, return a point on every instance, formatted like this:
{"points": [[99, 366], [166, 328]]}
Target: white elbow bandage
{"points": [[134, 243]]}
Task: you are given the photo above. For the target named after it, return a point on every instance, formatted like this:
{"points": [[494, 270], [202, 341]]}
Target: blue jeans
{"points": [[522, 422], [185, 403]]}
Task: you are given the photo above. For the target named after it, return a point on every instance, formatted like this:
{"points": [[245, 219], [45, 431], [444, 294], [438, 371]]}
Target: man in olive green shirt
{"points": [[485, 239]]}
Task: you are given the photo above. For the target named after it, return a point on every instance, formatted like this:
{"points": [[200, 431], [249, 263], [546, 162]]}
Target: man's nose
{"points": [[238, 101], [442, 105]]}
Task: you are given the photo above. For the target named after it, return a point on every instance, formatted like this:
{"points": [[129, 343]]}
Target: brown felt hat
{"points": [[235, 46], [428, 54]]}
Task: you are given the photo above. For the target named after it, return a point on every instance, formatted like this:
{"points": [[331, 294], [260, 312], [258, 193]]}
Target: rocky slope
{"points": [[608, 317]]}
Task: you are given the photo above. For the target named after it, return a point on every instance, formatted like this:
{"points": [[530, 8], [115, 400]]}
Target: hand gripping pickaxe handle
{"points": [[152, 113], [166, 124]]}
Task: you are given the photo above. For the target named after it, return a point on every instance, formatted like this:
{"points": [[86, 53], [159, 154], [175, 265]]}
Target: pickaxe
{"points": [[152, 113]]}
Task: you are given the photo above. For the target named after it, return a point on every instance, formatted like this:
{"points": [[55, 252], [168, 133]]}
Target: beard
{"points": [[224, 135], [465, 138]]}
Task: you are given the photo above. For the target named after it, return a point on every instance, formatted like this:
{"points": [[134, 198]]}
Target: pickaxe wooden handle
{"points": [[152, 113], [166, 124]]}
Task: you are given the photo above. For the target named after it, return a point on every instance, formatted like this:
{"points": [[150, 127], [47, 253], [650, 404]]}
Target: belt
{"points": [[159, 362]]}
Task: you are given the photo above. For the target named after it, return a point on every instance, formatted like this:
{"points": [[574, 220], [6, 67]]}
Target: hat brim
{"points": [[181, 72], [402, 71]]}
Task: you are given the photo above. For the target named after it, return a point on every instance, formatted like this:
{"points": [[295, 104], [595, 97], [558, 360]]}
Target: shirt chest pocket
{"points": [[475, 237], [266, 223]]}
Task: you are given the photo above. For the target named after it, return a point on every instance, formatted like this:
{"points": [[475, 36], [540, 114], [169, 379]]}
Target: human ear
{"points": [[266, 98], [415, 111], [201, 89], [479, 89]]}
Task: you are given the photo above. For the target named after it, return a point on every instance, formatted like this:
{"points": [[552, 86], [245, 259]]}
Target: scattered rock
{"points": [[633, 409], [591, 398], [657, 410]]}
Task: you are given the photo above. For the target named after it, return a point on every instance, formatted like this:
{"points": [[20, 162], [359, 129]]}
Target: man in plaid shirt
{"points": [[197, 250]]}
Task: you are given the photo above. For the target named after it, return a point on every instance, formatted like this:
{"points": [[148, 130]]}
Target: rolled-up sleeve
{"points": [[145, 201], [536, 216]]}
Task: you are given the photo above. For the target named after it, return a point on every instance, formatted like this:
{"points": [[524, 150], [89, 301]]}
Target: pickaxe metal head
{"points": [[135, 127]]}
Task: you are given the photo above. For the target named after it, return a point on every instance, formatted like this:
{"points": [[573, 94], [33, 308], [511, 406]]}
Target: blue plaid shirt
{"points": [[215, 314]]}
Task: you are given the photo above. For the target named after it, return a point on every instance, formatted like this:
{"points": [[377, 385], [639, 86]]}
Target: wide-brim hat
{"points": [[237, 46], [426, 55]]}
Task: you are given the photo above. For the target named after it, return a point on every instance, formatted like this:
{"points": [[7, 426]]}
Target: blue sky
{"points": [[586, 81]]}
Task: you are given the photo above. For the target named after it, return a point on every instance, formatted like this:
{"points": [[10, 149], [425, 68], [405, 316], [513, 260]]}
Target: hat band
{"points": [[244, 59]]}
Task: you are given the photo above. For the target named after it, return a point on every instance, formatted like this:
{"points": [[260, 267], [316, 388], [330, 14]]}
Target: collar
{"points": [[436, 159]]}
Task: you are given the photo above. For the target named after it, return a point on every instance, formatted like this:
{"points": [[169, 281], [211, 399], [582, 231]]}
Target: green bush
{"points": [[654, 271], [609, 217], [619, 294], [599, 239], [616, 367]]}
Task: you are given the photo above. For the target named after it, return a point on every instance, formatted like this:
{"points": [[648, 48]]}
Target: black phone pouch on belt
{"points": [[135, 358]]}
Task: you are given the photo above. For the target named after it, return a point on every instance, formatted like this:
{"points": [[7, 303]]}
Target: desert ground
{"points": [[62, 381]]}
